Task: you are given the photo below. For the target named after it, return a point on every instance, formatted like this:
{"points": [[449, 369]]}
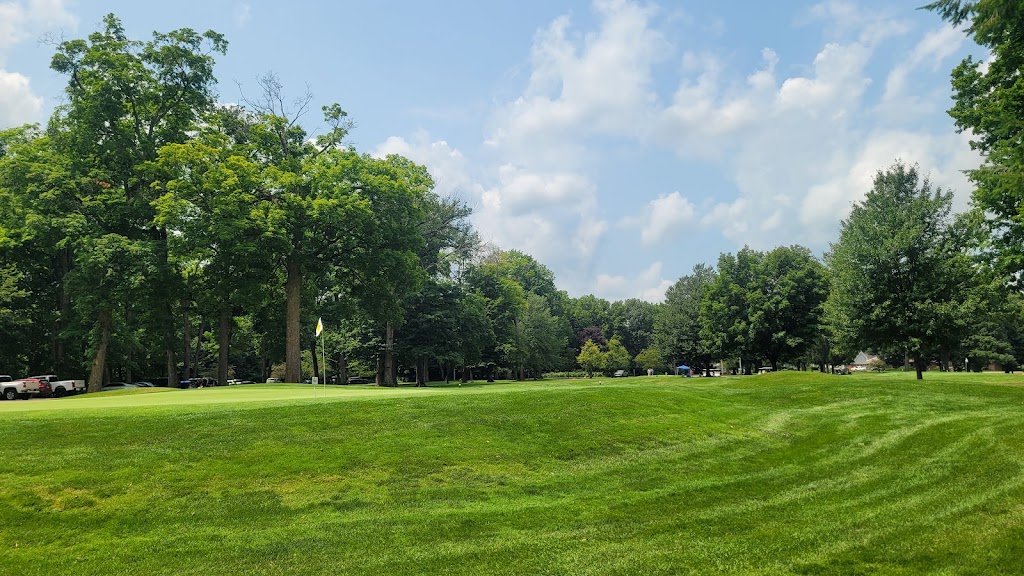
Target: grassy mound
{"points": [[774, 474]]}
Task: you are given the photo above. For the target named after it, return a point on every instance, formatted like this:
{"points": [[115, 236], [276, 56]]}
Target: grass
{"points": [[783, 473]]}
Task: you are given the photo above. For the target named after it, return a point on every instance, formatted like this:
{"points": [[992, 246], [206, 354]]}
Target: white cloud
{"points": [[796, 141], [663, 219], [807, 146], [18, 104], [447, 165], [648, 285], [941, 159], [21, 21], [902, 99], [550, 215], [601, 84], [243, 13], [521, 192]]}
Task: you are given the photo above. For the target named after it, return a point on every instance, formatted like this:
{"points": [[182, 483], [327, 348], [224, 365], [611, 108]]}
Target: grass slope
{"points": [[777, 474]]}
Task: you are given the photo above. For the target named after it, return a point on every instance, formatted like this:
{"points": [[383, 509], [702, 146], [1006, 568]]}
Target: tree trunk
{"points": [[389, 368], [172, 369], [316, 362], [99, 362], [167, 305], [172, 361], [919, 367], [199, 347], [945, 361], [187, 339], [421, 368], [906, 361], [293, 350], [379, 379], [465, 373], [264, 360], [224, 346], [64, 267], [342, 369]]}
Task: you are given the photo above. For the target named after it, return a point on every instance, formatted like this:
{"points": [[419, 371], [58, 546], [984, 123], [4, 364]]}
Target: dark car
{"points": [[144, 385], [118, 386], [358, 380]]}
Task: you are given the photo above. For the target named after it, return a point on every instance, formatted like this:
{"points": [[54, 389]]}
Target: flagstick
{"points": [[323, 354]]}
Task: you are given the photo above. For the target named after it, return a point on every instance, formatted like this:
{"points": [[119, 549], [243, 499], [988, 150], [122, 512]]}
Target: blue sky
{"points": [[618, 142]]}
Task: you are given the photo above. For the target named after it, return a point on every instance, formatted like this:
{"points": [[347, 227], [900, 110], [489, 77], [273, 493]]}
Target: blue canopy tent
{"points": [[684, 369]]}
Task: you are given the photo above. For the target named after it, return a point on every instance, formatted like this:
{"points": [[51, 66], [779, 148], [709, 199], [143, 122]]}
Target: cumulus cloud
{"points": [[647, 285], [446, 164], [18, 104], [601, 84], [21, 21], [800, 149], [795, 141], [663, 219], [902, 99]]}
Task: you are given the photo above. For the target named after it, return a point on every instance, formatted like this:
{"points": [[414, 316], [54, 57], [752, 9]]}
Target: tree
{"points": [[649, 358], [211, 205], [898, 276], [432, 328], [989, 104], [505, 301], [591, 334], [544, 340], [785, 304], [591, 358], [633, 322], [590, 311], [125, 100], [725, 311], [617, 357], [678, 323], [39, 222]]}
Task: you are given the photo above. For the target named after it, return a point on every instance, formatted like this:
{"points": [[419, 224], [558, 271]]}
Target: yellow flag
{"points": [[319, 326]]}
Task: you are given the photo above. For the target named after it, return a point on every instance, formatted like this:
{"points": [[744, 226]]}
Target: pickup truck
{"points": [[23, 389], [61, 388]]}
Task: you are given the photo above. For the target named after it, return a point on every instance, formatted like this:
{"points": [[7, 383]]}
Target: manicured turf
{"points": [[778, 474]]}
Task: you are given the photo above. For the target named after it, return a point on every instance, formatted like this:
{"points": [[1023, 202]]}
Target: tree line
{"points": [[148, 230]]}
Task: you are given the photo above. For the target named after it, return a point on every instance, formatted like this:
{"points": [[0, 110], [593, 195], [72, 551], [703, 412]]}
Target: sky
{"points": [[618, 142]]}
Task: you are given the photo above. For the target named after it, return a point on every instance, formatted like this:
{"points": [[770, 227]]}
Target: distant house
{"points": [[862, 362]]}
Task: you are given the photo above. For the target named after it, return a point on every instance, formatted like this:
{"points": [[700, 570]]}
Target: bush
{"points": [[572, 374]]}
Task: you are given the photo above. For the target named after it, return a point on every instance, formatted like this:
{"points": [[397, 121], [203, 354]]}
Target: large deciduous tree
{"points": [[725, 311], [989, 104], [125, 100], [786, 304], [678, 322], [898, 271]]}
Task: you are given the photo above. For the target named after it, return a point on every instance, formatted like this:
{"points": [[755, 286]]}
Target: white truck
{"points": [[24, 389], [60, 388]]}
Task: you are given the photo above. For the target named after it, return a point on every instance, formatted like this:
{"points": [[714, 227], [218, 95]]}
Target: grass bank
{"points": [[777, 474]]}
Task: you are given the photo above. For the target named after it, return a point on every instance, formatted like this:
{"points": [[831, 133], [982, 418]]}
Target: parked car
{"points": [[62, 387], [619, 374], [273, 380], [358, 380], [118, 386], [5, 378], [24, 389], [144, 384]]}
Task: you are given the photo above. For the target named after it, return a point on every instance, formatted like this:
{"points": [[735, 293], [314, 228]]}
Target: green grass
{"points": [[784, 473]]}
